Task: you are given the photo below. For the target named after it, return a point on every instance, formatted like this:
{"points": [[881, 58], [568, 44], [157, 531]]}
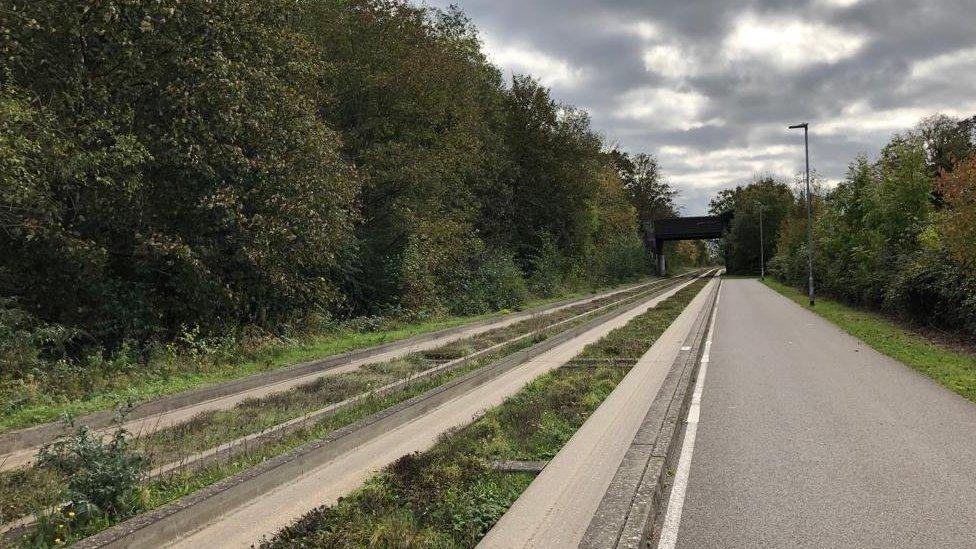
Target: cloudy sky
{"points": [[709, 86]]}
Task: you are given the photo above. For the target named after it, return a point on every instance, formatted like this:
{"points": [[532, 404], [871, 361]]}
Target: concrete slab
{"points": [[323, 485]]}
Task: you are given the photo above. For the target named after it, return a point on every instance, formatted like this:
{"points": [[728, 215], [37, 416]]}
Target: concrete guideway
{"points": [[558, 506], [21, 447], [240, 526], [809, 438]]}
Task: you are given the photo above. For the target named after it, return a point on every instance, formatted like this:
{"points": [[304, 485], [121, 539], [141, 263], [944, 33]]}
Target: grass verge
{"points": [[450, 496], [101, 384], [956, 370]]}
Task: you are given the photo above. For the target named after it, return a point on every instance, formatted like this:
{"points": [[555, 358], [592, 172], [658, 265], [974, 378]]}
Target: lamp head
{"points": [[798, 126]]}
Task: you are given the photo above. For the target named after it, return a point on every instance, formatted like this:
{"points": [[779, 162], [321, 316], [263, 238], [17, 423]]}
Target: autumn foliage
{"points": [[899, 232], [958, 225]]}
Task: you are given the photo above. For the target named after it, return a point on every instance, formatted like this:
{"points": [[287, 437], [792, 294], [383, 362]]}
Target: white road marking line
{"points": [[676, 502]]}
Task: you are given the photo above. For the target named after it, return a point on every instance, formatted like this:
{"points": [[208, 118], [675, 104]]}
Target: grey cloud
{"points": [[853, 103]]}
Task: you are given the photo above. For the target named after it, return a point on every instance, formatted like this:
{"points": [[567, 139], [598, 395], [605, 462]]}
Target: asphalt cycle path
{"points": [[809, 438]]}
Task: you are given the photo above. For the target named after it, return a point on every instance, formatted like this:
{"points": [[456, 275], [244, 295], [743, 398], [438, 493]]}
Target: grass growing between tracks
{"points": [[103, 383], [167, 488], [35, 489], [954, 369], [450, 496]]}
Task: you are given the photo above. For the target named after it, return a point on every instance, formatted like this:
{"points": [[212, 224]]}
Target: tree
{"points": [[206, 165], [741, 245], [649, 193], [958, 225], [946, 141], [418, 106], [177, 174]]}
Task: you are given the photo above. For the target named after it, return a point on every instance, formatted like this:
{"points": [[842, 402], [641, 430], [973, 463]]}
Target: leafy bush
{"points": [[103, 477], [28, 345], [546, 267], [934, 290], [497, 284], [958, 226]]}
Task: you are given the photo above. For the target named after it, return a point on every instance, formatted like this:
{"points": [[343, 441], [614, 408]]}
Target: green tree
{"points": [[741, 242], [641, 176], [178, 172]]}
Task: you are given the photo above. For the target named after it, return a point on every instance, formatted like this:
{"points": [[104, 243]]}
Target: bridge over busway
{"points": [[659, 231]]}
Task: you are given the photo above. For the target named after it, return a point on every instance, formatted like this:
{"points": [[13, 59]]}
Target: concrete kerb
{"points": [[31, 437], [161, 525], [516, 466], [629, 511]]}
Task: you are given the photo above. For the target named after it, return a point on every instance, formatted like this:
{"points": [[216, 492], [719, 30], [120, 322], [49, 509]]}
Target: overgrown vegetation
{"points": [[101, 484], [897, 234], [174, 172], [210, 429], [49, 390], [450, 496]]}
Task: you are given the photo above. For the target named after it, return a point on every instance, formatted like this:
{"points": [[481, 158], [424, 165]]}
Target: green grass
{"points": [[181, 373], [450, 496], [84, 388], [954, 369], [210, 429]]}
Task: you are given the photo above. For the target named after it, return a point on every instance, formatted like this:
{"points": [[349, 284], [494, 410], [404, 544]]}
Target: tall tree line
{"points": [[898, 233], [167, 164]]}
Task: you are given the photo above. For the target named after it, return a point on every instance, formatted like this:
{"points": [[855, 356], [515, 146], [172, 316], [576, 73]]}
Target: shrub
{"points": [[500, 283], [103, 477], [932, 289], [27, 345], [546, 267], [958, 189]]}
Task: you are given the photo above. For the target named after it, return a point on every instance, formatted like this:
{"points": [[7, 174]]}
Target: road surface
{"points": [[809, 438]]}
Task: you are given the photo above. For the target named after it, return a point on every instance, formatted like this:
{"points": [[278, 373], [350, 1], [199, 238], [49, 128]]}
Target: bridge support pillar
{"points": [[662, 267]]}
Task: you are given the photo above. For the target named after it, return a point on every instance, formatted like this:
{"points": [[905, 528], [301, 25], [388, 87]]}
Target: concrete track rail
{"points": [[19, 448], [240, 510]]}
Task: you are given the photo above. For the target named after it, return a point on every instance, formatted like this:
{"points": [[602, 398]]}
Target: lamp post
{"points": [[806, 144], [762, 245]]}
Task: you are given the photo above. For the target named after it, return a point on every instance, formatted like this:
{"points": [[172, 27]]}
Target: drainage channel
{"points": [[238, 510]]}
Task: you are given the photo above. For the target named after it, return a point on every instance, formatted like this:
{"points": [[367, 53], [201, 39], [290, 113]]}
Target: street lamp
{"points": [[806, 144], [762, 244]]}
